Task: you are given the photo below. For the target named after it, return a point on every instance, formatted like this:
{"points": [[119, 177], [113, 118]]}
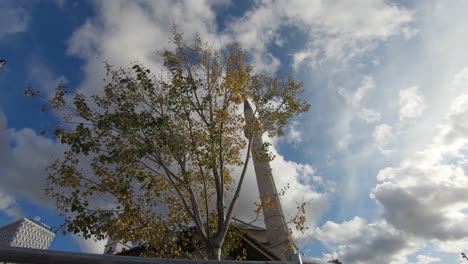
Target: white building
{"points": [[113, 247], [26, 233]]}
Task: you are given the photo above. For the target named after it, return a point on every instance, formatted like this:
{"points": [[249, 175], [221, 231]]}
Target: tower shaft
{"points": [[277, 230]]}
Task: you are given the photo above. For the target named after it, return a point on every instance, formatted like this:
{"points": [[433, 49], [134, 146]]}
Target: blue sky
{"points": [[382, 154]]}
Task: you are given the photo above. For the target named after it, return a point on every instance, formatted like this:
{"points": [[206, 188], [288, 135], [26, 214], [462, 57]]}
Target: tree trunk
{"points": [[214, 253]]}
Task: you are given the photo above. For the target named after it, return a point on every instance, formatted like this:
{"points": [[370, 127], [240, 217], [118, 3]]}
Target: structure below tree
{"points": [[252, 245]]}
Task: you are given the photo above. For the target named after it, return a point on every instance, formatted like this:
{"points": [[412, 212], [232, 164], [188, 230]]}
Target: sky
{"points": [[382, 155]]}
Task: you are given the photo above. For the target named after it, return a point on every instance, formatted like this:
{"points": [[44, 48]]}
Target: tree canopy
{"points": [[154, 155]]}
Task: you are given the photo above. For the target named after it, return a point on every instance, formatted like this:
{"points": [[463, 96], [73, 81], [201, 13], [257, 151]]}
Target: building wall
{"points": [[26, 233], [115, 247], [7, 233]]}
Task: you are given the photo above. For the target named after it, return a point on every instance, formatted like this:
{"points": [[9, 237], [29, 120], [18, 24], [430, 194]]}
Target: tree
{"points": [[164, 151]]}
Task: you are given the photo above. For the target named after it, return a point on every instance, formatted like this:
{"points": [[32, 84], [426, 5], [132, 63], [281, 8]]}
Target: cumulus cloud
{"points": [[428, 210], [423, 198], [456, 128], [126, 31], [357, 241], [26, 156], [340, 233], [426, 194], [91, 245], [412, 103]]}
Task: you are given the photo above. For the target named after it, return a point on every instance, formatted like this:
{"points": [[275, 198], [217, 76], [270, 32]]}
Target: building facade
{"points": [[113, 247], [26, 233]]}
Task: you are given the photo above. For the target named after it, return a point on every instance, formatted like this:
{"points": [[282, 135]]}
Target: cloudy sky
{"points": [[382, 156]]}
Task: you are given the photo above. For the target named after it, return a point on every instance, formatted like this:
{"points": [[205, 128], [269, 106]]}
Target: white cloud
{"points": [[23, 170], [293, 135], [24, 175], [9, 206], [6, 201], [334, 30], [344, 142], [300, 57], [304, 186], [412, 103], [344, 30], [425, 209], [13, 18], [456, 129], [384, 138], [91, 245], [368, 115], [358, 242], [461, 79], [426, 194], [354, 99], [340, 233], [422, 259], [453, 246], [126, 31], [422, 199], [367, 84]]}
